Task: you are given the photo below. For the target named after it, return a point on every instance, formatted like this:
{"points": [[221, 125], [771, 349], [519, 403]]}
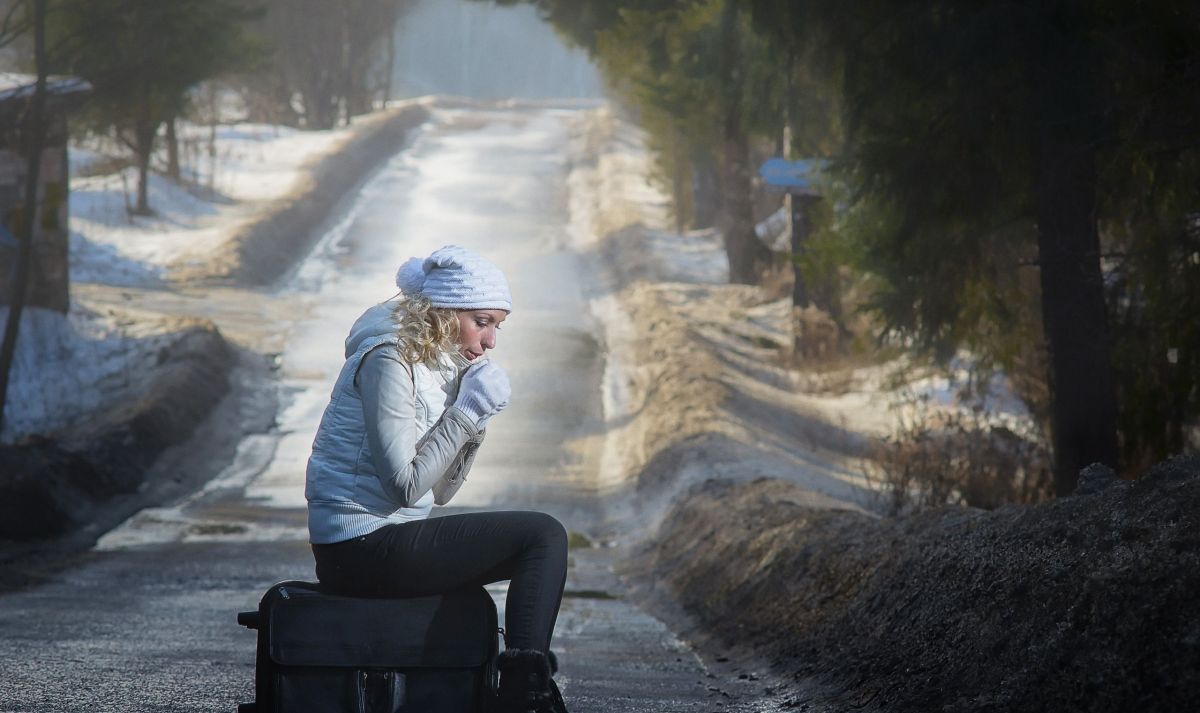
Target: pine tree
{"points": [[985, 140]]}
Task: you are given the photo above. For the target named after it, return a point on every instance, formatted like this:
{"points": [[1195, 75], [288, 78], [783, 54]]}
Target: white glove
{"points": [[484, 392]]}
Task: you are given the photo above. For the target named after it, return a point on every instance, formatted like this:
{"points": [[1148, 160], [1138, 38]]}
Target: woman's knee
{"points": [[547, 530]]}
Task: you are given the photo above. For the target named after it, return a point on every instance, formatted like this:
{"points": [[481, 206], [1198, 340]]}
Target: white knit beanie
{"points": [[457, 278]]}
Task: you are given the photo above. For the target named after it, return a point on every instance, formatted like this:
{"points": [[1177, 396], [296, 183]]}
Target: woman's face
{"points": [[477, 331]]}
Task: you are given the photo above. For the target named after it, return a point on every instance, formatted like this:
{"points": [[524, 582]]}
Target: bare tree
{"points": [[330, 60], [34, 133]]}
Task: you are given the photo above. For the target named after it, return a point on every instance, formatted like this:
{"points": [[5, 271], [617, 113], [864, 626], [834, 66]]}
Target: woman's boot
{"points": [[526, 685]]}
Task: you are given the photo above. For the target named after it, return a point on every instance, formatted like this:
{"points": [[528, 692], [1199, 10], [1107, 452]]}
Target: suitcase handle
{"points": [[249, 619]]}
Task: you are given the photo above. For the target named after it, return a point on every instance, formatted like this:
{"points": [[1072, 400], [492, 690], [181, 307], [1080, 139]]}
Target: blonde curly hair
{"points": [[425, 331]]}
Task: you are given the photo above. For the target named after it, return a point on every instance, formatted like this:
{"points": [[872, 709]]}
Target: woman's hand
{"points": [[484, 392]]}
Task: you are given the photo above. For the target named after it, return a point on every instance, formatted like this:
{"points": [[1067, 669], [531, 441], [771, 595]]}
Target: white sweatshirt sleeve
{"points": [[389, 410]]}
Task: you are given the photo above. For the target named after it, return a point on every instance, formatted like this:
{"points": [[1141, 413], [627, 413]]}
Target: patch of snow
{"points": [[254, 165], [83, 159], [697, 256], [105, 238], [812, 423], [67, 366]]}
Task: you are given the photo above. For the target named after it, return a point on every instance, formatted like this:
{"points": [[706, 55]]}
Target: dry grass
{"points": [[937, 457]]}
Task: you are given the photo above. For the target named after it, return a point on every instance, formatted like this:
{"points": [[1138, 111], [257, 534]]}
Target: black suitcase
{"points": [[329, 653]]}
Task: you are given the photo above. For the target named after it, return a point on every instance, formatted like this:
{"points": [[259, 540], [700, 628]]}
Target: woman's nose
{"points": [[489, 340]]}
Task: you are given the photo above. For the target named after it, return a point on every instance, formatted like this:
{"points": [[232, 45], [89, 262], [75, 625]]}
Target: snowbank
{"points": [[70, 368], [757, 538], [694, 387], [699, 381], [255, 164]]}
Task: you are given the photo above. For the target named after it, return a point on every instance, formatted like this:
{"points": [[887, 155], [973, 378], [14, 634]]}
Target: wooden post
{"points": [[799, 202], [813, 334]]}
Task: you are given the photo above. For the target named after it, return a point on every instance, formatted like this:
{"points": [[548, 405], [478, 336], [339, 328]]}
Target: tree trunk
{"points": [[214, 119], [348, 81], [681, 183], [706, 193], [144, 141], [801, 209], [390, 72], [1083, 398], [748, 257], [681, 194], [320, 105], [173, 171], [35, 134]]}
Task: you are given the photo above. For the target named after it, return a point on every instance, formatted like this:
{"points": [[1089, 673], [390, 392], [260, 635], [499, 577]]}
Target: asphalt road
{"points": [[145, 621]]}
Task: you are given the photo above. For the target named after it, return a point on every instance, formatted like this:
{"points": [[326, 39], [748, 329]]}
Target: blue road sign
{"points": [[781, 173]]}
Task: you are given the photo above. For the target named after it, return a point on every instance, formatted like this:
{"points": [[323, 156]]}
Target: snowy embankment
{"points": [[98, 394], [759, 539], [695, 384], [245, 217], [255, 166]]}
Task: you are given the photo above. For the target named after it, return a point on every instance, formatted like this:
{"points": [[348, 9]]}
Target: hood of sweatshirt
{"points": [[375, 322], [378, 321]]}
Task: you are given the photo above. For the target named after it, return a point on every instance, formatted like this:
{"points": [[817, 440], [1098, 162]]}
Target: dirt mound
{"points": [[1086, 603]]}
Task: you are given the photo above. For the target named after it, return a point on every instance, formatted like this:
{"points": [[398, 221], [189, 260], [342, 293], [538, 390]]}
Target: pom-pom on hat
{"points": [[456, 278]]}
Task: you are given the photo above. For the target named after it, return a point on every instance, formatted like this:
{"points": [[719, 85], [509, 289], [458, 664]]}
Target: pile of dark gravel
{"points": [[1085, 603]]}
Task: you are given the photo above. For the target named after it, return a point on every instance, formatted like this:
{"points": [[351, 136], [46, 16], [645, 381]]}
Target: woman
{"points": [[401, 429]]}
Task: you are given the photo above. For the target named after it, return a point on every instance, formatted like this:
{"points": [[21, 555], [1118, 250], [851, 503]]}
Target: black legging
{"points": [[441, 554]]}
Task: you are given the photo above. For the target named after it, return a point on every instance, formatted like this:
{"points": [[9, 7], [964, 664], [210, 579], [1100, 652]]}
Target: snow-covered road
{"points": [[494, 182], [146, 621]]}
